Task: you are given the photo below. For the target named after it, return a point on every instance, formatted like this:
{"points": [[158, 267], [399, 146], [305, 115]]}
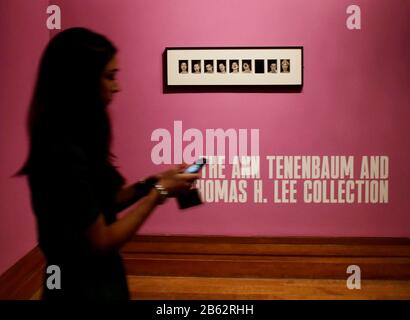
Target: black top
{"points": [[68, 192]]}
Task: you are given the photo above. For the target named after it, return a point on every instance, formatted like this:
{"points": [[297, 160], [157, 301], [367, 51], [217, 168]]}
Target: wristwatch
{"points": [[143, 187], [162, 192]]}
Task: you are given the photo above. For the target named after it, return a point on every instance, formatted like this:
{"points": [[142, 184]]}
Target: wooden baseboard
{"points": [[24, 278], [230, 257], [310, 258]]}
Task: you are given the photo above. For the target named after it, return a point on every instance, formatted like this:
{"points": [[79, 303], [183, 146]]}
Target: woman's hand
{"points": [[171, 172], [175, 181]]}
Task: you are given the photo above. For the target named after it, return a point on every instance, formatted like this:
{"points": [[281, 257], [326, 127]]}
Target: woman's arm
{"points": [[111, 237], [105, 238]]}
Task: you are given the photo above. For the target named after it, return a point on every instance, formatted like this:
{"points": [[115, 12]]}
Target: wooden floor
{"points": [[187, 288], [148, 287]]}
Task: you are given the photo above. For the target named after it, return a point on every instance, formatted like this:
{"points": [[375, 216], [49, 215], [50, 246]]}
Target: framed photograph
{"points": [[234, 66]]}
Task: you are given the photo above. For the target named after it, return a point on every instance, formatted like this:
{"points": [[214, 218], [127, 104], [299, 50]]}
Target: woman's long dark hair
{"points": [[67, 102]]}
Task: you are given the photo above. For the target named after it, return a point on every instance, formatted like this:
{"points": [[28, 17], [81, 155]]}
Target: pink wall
{"points": [[23, 36], [354, 102]]}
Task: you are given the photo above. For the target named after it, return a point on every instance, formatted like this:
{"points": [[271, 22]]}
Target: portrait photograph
{"points": [[246, 66], [285, 65], [196, 66], [183, 66], [221, 66], [272, 65], [209, 66]]}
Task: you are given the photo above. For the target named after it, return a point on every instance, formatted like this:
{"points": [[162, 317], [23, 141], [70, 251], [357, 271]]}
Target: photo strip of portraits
{"points": [[234, 66]]}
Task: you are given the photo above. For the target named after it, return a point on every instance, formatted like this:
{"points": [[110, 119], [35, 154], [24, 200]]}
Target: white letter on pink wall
{"points": [[54, 20], [353, 21], [161, 153], [195, 148]]}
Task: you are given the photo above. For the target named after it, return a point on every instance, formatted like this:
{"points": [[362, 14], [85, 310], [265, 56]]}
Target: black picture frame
{"points": [[289, 69]]}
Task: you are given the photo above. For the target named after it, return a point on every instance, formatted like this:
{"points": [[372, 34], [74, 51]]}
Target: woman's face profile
{"points": [[109, 80]]}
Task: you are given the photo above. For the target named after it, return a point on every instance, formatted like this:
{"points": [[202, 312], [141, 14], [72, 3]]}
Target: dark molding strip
{"points": [[264, 246]]}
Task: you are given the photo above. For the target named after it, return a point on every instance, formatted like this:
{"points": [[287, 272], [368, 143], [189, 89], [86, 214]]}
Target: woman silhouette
{"points": [[76, 191]]}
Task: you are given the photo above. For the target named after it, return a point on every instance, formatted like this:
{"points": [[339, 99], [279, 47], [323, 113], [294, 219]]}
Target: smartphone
{"points": [[191, 198], [196, 167]]}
